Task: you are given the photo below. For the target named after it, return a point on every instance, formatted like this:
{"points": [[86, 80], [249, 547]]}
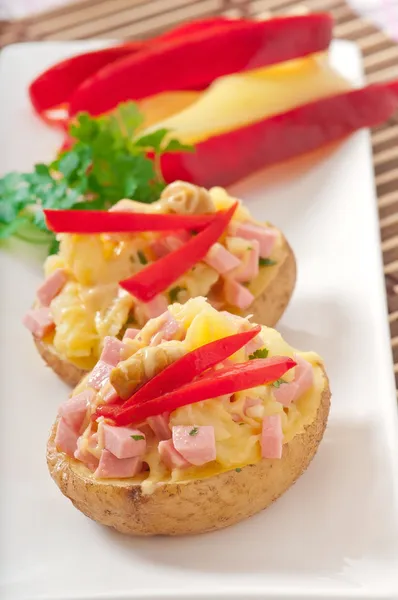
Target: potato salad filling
{"points": [[146, 412], [81, 302]]}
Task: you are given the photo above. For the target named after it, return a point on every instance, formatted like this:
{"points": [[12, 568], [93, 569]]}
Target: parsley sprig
{"points": [[106, 162]]}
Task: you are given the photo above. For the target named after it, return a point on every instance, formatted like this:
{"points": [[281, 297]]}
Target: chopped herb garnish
{"points": [[194, 431], [142, 258], [278, 383], [137, 437], [260, 353], [173, 293], [266, 262], [238, 470], [106, 162]]}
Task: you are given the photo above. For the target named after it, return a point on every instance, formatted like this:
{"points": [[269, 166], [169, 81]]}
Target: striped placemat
{"points": [[129, 19]]}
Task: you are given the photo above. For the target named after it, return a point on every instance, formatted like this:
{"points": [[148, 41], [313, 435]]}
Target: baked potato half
{"points": [[250, 270], [174, 493]]}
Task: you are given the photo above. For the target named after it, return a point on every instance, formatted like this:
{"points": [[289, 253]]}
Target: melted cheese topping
{"points": [[92, 305], [237, 428]]}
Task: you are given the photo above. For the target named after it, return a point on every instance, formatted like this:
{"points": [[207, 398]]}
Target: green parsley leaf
{"points": [[177, 146], [142, 258], [173, 293], [194, 431], [266, 262], [137, 437], [106, 162], [238, 470], [278, 383], [260, 353]]}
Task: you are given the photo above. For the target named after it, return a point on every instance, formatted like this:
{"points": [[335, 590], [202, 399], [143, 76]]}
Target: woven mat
{"points": [[128, 19]]}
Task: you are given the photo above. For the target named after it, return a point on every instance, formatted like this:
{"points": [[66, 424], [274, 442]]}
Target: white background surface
{"points": [[335, 533]]}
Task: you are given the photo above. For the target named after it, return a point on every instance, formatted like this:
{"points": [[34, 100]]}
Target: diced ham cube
{"points": [[170, 328], [66, 438], [74, 409], [219, 259], [39, 321], [272, 437], [249, 267], [286, 393], [85, 457], [131, 333], [237, 295], [171, 457], [110, 466], [265, 236], [112, 350], [124, 442], [51, 287], [160, 426], [99, 375], [290, 392], [155, 307], [159, 248], [196, 444], [254, 345]]}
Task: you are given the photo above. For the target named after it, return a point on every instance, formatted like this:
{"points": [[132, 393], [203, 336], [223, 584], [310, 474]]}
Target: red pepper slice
{"points": [[228, 157], [159, 275], [101, 221], [184, 370], [241, 376], [200, 58], [55, 85]]}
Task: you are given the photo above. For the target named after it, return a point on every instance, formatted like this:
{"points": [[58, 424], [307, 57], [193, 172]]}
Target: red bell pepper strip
{"points": [[197, 60], [54, 86], [184, 370], [159, 275], [228, 157], [101, 221], [238, 377]]}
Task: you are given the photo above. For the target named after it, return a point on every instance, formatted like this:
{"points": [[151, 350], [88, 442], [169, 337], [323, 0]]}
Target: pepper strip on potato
{"points": [[200, 58], [224, 159]]}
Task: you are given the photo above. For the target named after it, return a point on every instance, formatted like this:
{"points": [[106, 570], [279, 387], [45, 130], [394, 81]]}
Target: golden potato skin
{"points": [[67, 371], [266, 310], [193, 506]]}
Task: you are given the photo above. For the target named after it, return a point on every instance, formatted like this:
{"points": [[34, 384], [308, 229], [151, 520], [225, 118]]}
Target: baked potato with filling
{"points": [[255, 444], [252, 270]]}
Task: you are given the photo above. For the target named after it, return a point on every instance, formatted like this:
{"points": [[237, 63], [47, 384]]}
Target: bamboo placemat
{"points": [[129, 19]]}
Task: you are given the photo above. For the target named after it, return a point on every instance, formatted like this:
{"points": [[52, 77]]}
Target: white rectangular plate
{"points": [[334, 534]]}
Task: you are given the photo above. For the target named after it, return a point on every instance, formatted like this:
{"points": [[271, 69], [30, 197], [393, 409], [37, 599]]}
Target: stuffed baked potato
{"points": [[139, 449]]}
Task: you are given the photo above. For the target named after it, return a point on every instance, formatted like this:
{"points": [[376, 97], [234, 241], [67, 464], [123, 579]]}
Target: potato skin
{"points": [[193, 506], [267, 309]]}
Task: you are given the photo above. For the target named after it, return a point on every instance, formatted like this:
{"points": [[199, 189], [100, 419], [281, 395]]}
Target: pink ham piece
{"points": [[39, 321], [160, 426], [290, 392], [111, 467], [220, 259], [249, 267], [74, 409], [196, 444], [131, 333], [155, 307], [272, 437], [265, 236], [254, 345], [159, 248], [99, 375], [237, 295], [86, 457], [112, 350], [122, 443], [51, 287], [66, 438], [170, 456]]}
